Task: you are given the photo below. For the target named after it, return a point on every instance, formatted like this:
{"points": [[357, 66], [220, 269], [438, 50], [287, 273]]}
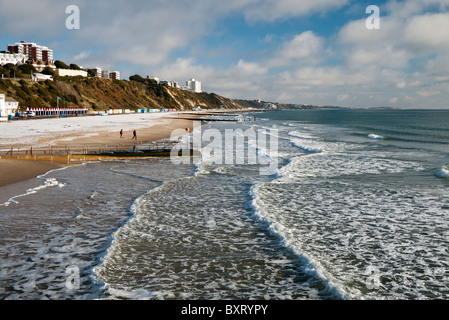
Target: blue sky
{"points": [[290, 51]]}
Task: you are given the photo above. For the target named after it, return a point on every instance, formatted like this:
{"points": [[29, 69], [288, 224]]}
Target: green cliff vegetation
{"points": [[12, 71], [102, 94]]}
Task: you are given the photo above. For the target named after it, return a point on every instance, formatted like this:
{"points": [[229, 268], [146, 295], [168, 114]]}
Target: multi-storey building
{"points": [[114, 75], [194, 85], [97, 72], [32, 50], [105, 74], [47, 55]]}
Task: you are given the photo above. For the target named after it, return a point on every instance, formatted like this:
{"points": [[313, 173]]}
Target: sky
{"points": [[320, 52]]}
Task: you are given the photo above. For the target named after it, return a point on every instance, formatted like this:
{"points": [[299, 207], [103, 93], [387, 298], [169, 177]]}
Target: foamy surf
{"points": [[444, 172], [356, 221], [301, 135], [48, 183], [373, 136], [310, 266]]}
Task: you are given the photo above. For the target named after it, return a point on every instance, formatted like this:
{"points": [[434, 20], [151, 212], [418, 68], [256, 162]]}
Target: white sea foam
{"points": [[346, 216], [444, 172], [48, 183], [375, 137], [339, 164], [306, 146], [196, 228], [362, 236], [137, 294], [286, 232], [302, 135]]}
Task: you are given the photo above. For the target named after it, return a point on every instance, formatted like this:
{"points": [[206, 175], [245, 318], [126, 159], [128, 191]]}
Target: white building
{"points": [[12, 106], [8, 106], [194, 85], [14, 58], [155, 79], [41, 77], [172, 84], [105, 74], [71, 73], [32, 50], [114, 75], [98, 72]]}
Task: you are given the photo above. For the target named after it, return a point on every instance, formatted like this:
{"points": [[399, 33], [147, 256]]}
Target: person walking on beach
{"points": [[134, 135], [121, 133]]}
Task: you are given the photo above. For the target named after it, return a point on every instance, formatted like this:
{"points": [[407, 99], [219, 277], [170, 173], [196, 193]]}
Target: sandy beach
{"points": [[92, 130]]}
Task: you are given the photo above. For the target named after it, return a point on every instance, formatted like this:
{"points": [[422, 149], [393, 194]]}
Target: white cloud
{"points": [[249, 69], [342, 97], [401, 37], [407, 8], [401, 85], [412, 37], [393, 100], [428, 93], [141, 31], [32, 18], [406, 61], [235, 81], [271, 10], [428, 33], [306, 47]]}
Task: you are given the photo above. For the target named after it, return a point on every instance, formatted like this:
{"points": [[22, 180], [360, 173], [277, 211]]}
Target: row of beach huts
{"points": [[126, 111]]}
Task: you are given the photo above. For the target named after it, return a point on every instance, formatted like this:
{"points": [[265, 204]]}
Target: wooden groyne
{"points": [[82, 153]]}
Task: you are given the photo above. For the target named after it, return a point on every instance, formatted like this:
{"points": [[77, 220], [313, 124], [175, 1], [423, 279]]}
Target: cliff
{"points": [[101, 94]]}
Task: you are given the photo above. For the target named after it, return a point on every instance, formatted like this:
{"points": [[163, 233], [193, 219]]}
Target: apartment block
{"points": [[194, 85], [105, 74], [98, 72], [114, 75], [32, 50]]}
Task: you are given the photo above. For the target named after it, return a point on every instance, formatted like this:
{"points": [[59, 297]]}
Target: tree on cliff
{"points": [[137, 78], [61, 65]]}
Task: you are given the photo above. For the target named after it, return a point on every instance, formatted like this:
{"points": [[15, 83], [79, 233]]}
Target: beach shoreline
{"points": [[15, 171], [17, 176]]}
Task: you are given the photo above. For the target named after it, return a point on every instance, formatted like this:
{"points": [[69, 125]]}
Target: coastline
{"points": [[13, 171], [17, 175]]}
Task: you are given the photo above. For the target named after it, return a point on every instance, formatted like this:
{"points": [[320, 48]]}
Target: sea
{"points": [[337, 204]]}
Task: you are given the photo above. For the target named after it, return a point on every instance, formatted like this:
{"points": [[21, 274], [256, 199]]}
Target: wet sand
{"points": [[12, 171], [17, 176]]}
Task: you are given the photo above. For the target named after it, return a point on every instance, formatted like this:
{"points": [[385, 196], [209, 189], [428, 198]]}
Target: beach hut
{"points": [[58, 111]]}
